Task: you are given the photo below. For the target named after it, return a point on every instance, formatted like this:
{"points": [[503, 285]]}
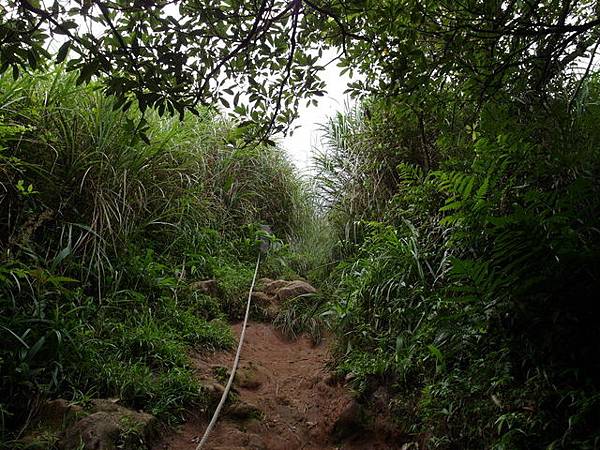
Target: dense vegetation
{"points": [[470, 281], [103, 240], [456, 239]]}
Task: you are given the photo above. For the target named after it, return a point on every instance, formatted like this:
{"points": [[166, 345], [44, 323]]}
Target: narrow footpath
{"points": [[284, 399]]}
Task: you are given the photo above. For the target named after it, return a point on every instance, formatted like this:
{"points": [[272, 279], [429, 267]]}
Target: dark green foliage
{"points": [[174, 57], [522, 49], [471, 294], [262, 58], [104, 238]]}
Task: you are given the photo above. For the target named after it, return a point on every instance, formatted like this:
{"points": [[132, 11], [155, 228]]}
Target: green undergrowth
{"points": [[466, 284], [105, 239], [303, 314]]}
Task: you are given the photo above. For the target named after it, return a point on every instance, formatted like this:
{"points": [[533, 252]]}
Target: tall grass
{"points": [[187, 177], [102, 236]]}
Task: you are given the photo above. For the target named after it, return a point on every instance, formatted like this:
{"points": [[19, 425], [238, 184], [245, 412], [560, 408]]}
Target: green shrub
{"points": [[470, 293]]}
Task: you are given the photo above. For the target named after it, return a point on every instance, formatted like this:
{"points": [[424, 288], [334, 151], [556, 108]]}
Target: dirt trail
{"points": [[288, 383]]}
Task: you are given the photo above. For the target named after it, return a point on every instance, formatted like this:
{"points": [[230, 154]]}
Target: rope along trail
{"points": [[215, 416]]}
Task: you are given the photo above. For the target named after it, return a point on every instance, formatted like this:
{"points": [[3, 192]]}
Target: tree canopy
{"points": [[486, 46], [262, 57]]}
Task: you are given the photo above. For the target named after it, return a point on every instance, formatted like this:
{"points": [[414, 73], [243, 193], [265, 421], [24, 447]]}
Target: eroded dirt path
{"points": [[285, 398]]}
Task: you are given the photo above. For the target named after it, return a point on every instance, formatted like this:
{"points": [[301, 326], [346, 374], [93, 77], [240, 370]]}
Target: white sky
{"points": [[299, 145]]}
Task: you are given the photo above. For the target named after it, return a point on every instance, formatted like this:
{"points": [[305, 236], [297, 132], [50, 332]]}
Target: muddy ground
{"points": [[284, 398]]}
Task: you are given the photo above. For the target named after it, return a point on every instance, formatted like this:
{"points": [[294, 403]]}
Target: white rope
{"points": [[215, 416]]}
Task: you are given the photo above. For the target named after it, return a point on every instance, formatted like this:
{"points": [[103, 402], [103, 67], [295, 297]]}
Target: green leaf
{"points": [[457, 204], [62, 52], [86, 72]]}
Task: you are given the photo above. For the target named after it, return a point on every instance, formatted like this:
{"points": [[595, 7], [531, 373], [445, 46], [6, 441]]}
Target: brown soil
{"points": [[290, 386]]}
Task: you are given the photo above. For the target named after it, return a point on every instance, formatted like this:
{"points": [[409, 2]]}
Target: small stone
{"points": [[98, 431], [295, 289], [59, 413], [108, 424], [274, 286], [243, 410], [349, 377], [215, 391], [249, 377], [208, 287], [261, 299], [263, 282]]}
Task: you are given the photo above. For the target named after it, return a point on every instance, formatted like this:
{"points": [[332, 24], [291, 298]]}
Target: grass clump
{"points": [[303, 314]]}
